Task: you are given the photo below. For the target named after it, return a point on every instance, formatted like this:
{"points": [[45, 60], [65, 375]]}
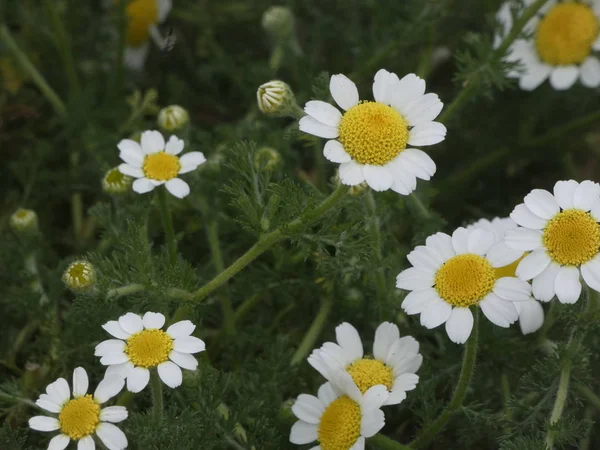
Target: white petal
{"points": [[153, 320], [59, 391], [424, 109], [595, 211], [480, 241], [523, 239], [543, 284], [170, 374], [408, 89], [408, 365], [459, 325], [563, 77], [564, 193], [152, 142], [512, 289], [373, 398], [44, 423], [109, 347], [396, 396], [407, 381], [349, 339], [343, 382], [536, 73], [421, 160], [132, 323], [174, 145], [498, 311], [178, 187], [427, 133], [80, 382], [371, 423], [384, 85], [114, 358], [442, 244], [131, 152], [189, 344], [531, 316], [46, 402], [184, 360], [190, 161], [386, 334], [127, 169], [500, 255], [303, 433], [114, 414], [181, 329], [567, 285], [533, 264], [323, 112], [59, 442], [590, 271], [405, 181], [308, 408], [134, 57], [425, 258], [164, 8], [86, 443], [436, 313], [351, 173], [343, 91], [586, 195], [327, 394], [334, 152], [108, 388], [415, 278], [460, 240], [416, 301], [524, 217], [379, 178], [143, 185], [596, 44], [137, 379], [318, 363], [111, 436], [402, 350], [360, 442], [121, 370], [113, 328], [542, 203]]}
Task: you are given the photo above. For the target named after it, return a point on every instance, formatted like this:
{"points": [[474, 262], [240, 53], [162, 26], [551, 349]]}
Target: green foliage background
{"points": [[501, 143]]}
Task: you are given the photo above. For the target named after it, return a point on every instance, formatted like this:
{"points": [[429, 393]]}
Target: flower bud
{"points": [[173, 118], [278, 21], [80, 276], [286, 412], [355, 190], [223, 411], [240, 433], [115, 183], [24, 221], [266, 159], [276, 99]]}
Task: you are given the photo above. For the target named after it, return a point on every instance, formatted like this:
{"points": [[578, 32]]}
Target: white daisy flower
{"points": [[563, 235], [531, 313], [339, 417], [154, 163], [141, 345], [143, 17], [370, 139], [80, 417], [561, 42], [394, 363], [453, 273]]}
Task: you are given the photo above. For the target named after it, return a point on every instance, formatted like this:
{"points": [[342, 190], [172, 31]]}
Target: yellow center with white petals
{"points": [[79, 417], [161, 166], [572, 237], [373, 133], [339, 428], [465, 279], [149, 348], [141, 14], [367, 373], [566, 34]]}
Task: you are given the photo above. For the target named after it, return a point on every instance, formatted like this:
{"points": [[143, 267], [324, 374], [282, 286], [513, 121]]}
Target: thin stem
{"points": [[313, 332], [559, 403], [319, 164], [167, 220], [589, 395], [428, 433], [157, 395], [32, 267], [119, 63], [76, 198], [416, 201], [505, 395], [376, 236], [125, 290], [16, 399], [33, 73], [385, 443], [584, 443], [518, 26]]}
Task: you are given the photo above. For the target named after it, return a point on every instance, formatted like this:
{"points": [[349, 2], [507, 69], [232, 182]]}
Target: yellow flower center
{"points": [[149, 348], [566, 34], [367, 373], [373, 133], [141, 14], [465, 279], [509, 270], [114, 176], [161, 166], [79, 417], [572, 237], [22, 213], [339, 428]]}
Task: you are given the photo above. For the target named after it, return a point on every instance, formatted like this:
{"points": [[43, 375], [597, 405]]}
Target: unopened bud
{"points": [[267, 159], [286, 409], [80, 276], [24, 221], [223, 411], [278, 21], [173, 118], [116, 183], [276, 99], [240, 433]]}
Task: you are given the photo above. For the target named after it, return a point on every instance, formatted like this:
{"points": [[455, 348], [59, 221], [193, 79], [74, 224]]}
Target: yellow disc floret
{"points": [[370, 372], [373, 133], [566, 34], [161, 166], [79, 417], [572, 237], [149, 348], [465, 279], [141, 14], [339, 428]]}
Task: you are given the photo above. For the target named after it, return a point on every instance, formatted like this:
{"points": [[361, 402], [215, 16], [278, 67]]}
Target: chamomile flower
{"points": [[371, 139], [141, 345], [394, 363], [531, 313], [154, 163], [81, 417], [562, 232], [561, 44], [143, 18], [339, 417], [453, 273]]}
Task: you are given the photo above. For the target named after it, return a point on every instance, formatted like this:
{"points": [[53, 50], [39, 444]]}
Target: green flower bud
{"points": [[173, 118], [278, 21], [240, 433], [267, 159], [80, 277], [24, 221], [223, 411], [116, 183], [276, 99]]}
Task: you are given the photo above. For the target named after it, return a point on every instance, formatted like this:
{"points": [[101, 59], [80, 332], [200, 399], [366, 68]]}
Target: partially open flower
{"points": [[276, 99], [115, 183], [80, 276], [173, 118], [24, 221]]}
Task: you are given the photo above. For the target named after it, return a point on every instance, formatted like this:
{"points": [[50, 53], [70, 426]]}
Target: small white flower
{"points": [[370, 139], [394, 364], [453, 273], [141, 345], [562, 232], [339, 417], [154, 163], [560, 44], [80, 417]]}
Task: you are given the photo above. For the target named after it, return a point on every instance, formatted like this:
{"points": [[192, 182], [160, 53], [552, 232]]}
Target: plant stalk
{"points": [[313, 332], [385, 443], [167, 221], [157, 395]]}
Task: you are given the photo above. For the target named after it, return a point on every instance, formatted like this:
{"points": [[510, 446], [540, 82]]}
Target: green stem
{"points": [[16, 399], [589, 395], [385, 443], [119, 63], [376, 236], [125, 290], [32, 267], [559, 403], [157, 395], [313, 332], [518, 26], [319, 164], [463, 96], [33, 73], [584, 443], [419, 206], [167, 221], [429, 432], [76, 198], [246, 306], [505, 395]]}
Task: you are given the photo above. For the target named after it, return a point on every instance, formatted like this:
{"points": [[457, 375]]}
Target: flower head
{"points": [[173, 118], [562, 232], [339, 417], [276, 99], [81, 417], [154, 163], [116, 183], [24, 221], [80, 276], [561, 44], [394, 362], [141, 345], [371, 139], [451, 274], [278, 21]]}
